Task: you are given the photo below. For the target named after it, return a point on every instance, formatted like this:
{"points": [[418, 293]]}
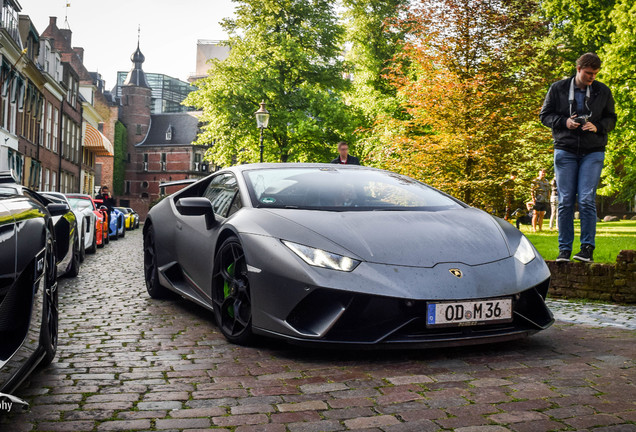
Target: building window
{"points": [[144, 184], [56, 124], [163, 162], [145, 161], [127, 187], [53, 181], [169, 134], [46, 180]]}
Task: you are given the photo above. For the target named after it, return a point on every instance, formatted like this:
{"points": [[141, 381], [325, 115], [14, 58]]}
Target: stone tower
{"points": [[135, 115], [136, 102]]}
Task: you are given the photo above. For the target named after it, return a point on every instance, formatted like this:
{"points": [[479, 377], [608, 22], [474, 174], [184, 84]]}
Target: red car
{"points": [[101, 224]]}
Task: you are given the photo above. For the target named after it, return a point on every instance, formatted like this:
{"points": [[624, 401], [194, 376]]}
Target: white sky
{"points": [[107, 30]]}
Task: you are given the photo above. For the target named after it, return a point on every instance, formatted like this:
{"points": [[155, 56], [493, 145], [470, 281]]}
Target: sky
{"points": [[107, 30]]}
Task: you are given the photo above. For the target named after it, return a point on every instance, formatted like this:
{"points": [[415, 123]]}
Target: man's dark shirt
{"points": [[351, 160], [556, 110], [108, 201]]}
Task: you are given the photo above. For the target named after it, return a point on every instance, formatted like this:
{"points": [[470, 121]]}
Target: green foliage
{"points": [[619, 174], [286, 52], [466, 85], [119, 160]]}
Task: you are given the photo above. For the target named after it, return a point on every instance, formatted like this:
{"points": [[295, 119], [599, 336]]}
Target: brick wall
{"points": [[596, 281]]}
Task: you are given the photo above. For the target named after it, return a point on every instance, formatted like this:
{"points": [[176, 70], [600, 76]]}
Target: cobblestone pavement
{"points": [[127, 362]]}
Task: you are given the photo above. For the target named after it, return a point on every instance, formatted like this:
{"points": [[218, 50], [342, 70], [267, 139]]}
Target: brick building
{"points": [[159, 146], [81, 117]]}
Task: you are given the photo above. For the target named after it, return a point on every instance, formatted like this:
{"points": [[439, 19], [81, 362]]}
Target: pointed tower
{"points": [[136, 101]]}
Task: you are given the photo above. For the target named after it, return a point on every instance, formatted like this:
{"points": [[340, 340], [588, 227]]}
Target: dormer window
{"points": [[169, 133]]}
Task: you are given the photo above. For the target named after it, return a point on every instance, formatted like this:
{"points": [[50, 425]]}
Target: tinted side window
{"points": [[221, 192]]}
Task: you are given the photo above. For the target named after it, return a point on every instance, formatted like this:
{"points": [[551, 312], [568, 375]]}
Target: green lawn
{"points": [[611, 237]]}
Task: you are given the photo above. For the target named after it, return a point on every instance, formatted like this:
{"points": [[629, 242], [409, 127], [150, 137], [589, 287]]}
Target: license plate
{"points": [[469, 312]]}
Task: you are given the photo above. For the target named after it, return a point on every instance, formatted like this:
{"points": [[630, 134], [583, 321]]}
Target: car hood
{"points": [[408, 238]]}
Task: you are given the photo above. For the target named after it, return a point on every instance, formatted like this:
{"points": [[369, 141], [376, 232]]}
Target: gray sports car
{"points": [[343, 255]]}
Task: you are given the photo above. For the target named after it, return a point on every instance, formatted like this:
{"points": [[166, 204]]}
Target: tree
{"points": [[373, 45], [619, 62], [464, 79], [288, 53]]}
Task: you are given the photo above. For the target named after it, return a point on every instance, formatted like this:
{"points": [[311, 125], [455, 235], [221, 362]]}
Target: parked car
{"points": [[129, 222], [85, 203], [85, 221], [343, 255], [28, 285], [116, 221], [135, 217], [67, 245]]}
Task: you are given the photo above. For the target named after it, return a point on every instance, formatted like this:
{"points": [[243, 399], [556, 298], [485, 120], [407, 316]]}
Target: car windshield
{"points": [[80, 204], [323, 188]]}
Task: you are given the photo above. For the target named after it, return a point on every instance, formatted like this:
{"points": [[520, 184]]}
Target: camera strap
{"points": [[571, 97]]}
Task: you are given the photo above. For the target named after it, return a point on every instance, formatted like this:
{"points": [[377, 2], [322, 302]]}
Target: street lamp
{"points": [[262, 119]]}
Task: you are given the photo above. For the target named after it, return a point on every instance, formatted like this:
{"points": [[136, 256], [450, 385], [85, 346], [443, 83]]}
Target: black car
{"points": [[67, 233], [28, 285], [344, 255]]}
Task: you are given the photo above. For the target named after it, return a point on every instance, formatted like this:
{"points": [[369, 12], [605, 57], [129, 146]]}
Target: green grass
{"points": [[611, 238]]}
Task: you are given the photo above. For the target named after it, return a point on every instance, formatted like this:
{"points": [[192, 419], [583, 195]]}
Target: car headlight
{"points": [[525, 251], [321, 258]]}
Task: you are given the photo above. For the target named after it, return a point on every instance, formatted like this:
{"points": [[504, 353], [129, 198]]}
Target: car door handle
{"points": [[179, 225]]}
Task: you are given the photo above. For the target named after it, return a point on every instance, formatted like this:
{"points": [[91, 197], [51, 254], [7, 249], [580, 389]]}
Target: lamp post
{"points": [[262, 119]]}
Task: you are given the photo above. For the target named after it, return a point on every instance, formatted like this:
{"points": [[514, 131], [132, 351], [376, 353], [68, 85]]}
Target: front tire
{"points": [[231, 293], [93, 248], [50, 315], [82, 249], [151, 270], [75, 263]]}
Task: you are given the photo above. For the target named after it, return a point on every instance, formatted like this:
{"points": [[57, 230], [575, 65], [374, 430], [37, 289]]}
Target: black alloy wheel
{"points": [[151, 271], [93, 247], [231, 293], [75, 262], [50, 315], [82, 248]]}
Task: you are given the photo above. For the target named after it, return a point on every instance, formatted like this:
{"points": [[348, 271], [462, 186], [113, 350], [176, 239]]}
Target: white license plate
{"points": [[469, 312]]}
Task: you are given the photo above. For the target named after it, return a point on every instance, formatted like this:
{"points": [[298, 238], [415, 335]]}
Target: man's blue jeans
{"points": [[577, 178]]}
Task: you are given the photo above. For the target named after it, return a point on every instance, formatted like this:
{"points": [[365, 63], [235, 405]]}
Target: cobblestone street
{"points": [[126, 362]]}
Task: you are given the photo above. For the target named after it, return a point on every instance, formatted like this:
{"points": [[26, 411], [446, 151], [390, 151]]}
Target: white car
{"points": [[85, 222]]}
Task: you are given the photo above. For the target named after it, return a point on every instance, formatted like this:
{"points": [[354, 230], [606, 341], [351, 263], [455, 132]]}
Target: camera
{"points": [[580, 119]]}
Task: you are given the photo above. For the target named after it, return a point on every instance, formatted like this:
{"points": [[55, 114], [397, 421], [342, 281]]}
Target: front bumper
{"points": [[383, 305], [328, 317]]}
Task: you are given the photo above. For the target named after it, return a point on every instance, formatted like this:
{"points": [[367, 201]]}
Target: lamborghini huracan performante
{"points": [[343, 255], [28, 287]]}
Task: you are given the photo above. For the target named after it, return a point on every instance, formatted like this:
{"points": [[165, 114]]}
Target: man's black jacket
{"points": [[556, 110], [351, 160]]}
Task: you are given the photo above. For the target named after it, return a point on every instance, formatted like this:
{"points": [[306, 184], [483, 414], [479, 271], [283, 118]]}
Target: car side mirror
{"points": [[103, 207], [196, 206], [58, 209]]}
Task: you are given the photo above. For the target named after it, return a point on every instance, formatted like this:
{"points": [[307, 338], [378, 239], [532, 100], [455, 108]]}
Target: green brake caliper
{"points": [[227, 289]]}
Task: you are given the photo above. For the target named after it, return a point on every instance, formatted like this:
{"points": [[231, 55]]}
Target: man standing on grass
{"points": [[580, 112]]}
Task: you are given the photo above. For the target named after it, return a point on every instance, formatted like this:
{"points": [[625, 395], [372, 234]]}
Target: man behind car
{"points": [[580, 112]]}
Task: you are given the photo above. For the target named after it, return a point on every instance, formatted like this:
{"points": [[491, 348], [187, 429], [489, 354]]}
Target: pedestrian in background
{"points": [[509, 194], [554, 205], [580, 112], [540, 191], [344, 157]]}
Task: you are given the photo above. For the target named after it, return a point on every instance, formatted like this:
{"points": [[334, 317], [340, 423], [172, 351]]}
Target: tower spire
{"points": [[136, 76]]}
